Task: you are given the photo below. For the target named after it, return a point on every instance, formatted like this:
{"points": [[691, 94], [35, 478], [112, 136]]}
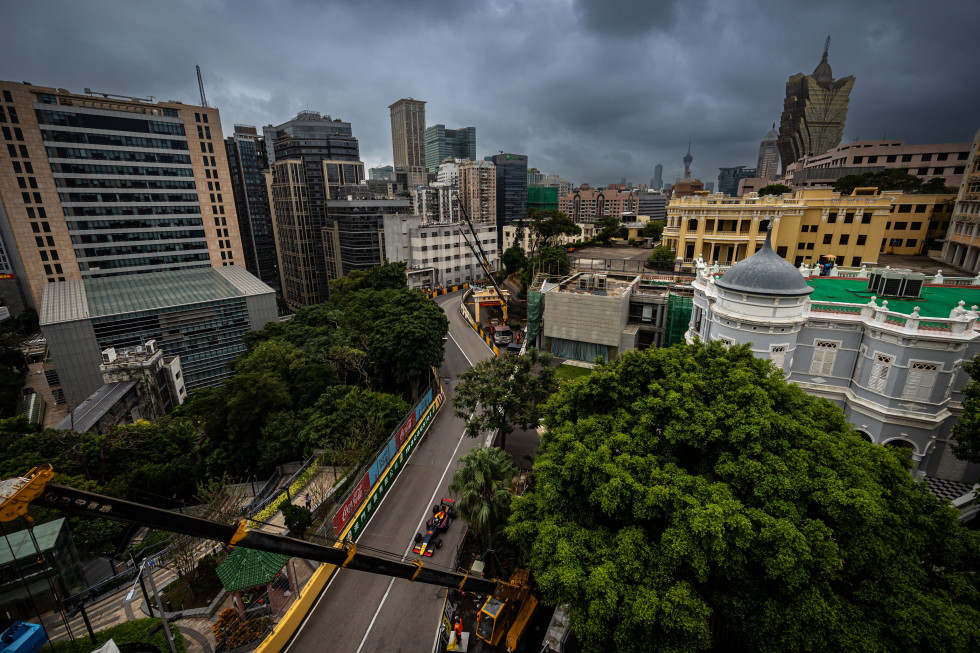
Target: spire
{"points": [[768, 242], [822, 72], [687, 160], [826, 49]]}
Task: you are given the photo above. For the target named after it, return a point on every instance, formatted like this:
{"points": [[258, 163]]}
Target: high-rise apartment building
{"points": [[313, 154], [436, 204], [563, 185], [728, 179], [813, 113], [962, 246], [102, 185], [408, 133], [587, 205], [767, 166], [442, 144], [478, 190], [437, 253], [247, 161], [534, 177], [449, 171], [658, 177], [511, 189]]}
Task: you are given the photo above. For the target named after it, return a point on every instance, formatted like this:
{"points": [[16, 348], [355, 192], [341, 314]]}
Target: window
{"points": [[959, 170], [832, 218], [906, 158], [879, 372], [920, 381], [938, 171], [781, 251], [905, 208], [872, 159], [777, 354], [824, 354], [901, 226], [942, 156], [6, 96], [916, 225], [809, 245], [800, 245], [926, 157], [827, 238], [910, 242], [862, 239], [856, 261], [923, 171], [891, 158], [859, 159], [844, 238], [920, 208], [848, 218]]}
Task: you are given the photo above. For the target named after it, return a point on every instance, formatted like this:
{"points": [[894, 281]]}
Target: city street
{"points": [[366, 612]]}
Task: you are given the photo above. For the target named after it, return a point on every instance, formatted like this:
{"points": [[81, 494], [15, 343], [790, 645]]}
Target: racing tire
{"points": [[418, 537], [452, 512], [439, 543], [435, 509]]}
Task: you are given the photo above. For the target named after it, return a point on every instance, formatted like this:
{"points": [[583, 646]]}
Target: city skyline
{"points": [[558, 85]]}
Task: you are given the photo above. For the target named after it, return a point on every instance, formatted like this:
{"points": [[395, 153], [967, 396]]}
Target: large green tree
{"points": [[691, 499], [546, 226], [892, 179], [966, 431], [654, 229], [504, 392], [661, 253], [483, 484], [774, 189], [513, 259]]}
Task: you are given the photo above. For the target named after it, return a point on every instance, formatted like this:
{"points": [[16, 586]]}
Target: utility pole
{"points": [[163, 615]]}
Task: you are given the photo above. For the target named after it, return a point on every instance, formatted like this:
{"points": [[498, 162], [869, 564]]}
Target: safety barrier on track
{"points": [[278, 639], [432, 294]]}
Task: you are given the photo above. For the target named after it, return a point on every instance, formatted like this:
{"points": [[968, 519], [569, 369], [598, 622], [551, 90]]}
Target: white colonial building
{"points": [[885, 345]]}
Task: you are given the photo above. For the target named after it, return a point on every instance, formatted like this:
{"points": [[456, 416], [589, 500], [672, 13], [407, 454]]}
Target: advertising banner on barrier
{"points": [[350, 505], [405, 429], [423, 404], [384, 457]]}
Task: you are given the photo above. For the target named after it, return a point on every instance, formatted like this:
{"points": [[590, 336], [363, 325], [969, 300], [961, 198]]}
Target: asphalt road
{"points": [[361, 612]]}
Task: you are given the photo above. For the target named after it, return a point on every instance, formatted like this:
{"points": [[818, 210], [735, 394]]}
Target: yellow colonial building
{"points": [[810, 226]]}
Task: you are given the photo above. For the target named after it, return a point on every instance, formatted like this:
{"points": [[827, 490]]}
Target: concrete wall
{"points": [[262, 309], [584, 317]]}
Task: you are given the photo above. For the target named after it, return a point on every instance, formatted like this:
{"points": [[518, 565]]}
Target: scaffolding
{"points": [[679, 303]]}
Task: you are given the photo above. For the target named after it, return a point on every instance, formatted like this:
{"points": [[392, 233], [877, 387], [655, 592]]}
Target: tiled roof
{"points": [[245, 568]]}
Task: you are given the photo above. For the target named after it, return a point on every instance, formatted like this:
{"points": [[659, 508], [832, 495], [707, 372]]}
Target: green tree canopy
{"points": [[483, 483], [607, 228], [661, 253], [552, 260], [966, 431], [654, 229], [690, 498], [504, 392], [513, 259], [547, 225], [774, 189]]}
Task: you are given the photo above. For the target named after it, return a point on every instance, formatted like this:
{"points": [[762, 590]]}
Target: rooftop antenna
{"points": [[200, 84]]}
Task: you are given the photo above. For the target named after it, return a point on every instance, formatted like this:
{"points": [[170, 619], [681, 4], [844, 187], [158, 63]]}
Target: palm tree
{"points": [[483, 483]]}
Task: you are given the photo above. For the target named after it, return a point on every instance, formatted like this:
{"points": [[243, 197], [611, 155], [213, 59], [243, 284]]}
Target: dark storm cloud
{"points": [[593, 90]]}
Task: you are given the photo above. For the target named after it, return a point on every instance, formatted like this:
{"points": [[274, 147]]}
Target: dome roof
{"points": [[822, 72], [765, 273]]}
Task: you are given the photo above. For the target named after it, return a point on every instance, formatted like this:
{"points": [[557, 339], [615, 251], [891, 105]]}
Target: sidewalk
{"points": [[112, 609]]}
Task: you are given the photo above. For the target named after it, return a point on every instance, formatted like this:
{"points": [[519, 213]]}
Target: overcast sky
{"points": [[593, 90]]}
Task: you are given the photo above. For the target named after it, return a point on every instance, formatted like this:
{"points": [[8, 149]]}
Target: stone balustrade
{"points": [[960, 322]]}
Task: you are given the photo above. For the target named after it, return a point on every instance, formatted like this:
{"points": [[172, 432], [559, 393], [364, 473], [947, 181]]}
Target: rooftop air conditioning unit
{"points": [[896, 282]]}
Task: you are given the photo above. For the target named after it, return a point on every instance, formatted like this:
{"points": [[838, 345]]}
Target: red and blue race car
{"points": [[442, 517]]}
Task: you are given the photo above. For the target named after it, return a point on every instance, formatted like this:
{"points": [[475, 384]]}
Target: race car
{"points": [[425, 544], [442, 516]]}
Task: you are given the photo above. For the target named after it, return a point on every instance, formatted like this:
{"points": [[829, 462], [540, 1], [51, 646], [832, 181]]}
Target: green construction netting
{"points": [[678, 319]]}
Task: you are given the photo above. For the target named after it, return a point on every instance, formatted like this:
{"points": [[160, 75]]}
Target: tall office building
{"points": [[247, 161], [313, 154], [382, 172], [478, 190], [813, 113], [767, 166], [442, 144], [658, 177], [408, 133], [353, 235], [511, 189], [728, 179], [102, 185]]}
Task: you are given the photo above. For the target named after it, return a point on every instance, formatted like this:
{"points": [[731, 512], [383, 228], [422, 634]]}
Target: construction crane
{"points": [[200, 85], [508, 607], [480, 255]]}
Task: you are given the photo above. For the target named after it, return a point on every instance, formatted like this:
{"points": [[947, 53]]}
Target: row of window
{"points": [[113, 123], [907, 158], [141, 171], [112, 140], [919, 383]]}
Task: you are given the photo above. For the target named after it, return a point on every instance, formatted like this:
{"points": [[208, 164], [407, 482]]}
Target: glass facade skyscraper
{"points": [[442, 144], [247, 160], [511, 189]]}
